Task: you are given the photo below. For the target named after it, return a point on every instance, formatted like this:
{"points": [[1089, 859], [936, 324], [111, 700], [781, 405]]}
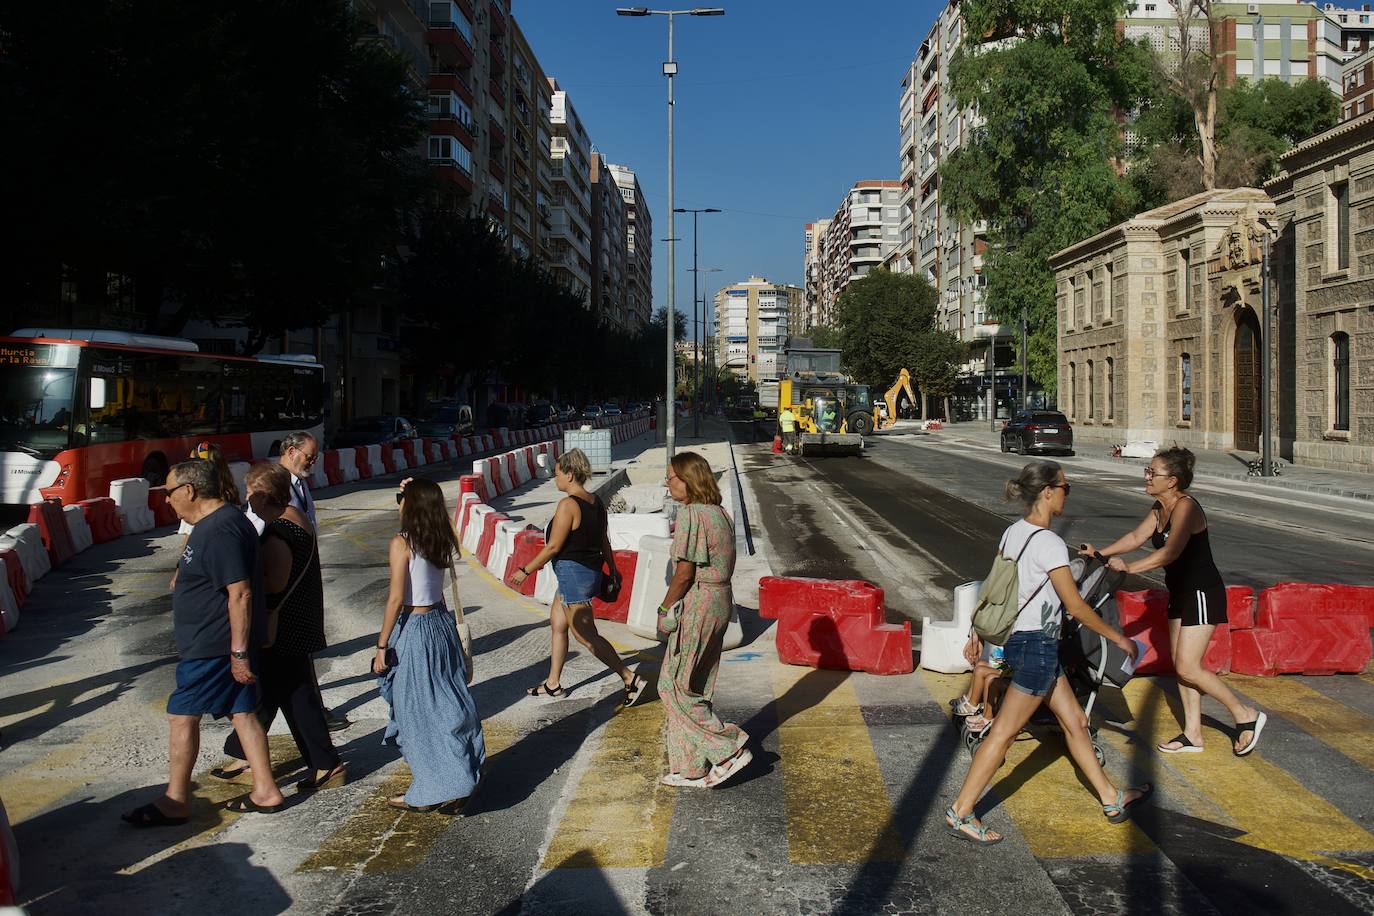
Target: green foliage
{"points": [[1256, 123], [887, 323], [1042, 168], [824, 338], [250, 161]]}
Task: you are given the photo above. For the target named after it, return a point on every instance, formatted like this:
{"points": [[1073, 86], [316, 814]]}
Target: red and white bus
{"points": [[80, 408]]}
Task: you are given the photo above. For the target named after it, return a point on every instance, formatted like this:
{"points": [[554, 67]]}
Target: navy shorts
{"points": [[1034, 661], [205, 687], [577, 584]]}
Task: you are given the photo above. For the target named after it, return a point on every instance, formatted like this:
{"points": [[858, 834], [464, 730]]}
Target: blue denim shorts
{"points": [[206, 687], [1034, 661], [577, 584]]}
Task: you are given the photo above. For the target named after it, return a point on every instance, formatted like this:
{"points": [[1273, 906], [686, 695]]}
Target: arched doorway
{"points": [[1247, 356]]}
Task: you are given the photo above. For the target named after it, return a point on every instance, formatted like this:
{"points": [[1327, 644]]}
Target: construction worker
{"points": [[829, 418], [787, 420]]}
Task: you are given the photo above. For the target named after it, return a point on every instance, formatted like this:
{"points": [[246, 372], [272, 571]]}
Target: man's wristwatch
{"points": [[239, 655]]}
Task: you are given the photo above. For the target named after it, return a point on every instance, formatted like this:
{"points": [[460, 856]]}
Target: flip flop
{"points": [[1184, 746], [404, 806], [1257, 726], [150, 815], [245, 805]]}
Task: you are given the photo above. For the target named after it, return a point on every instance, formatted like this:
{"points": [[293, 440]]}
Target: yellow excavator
{"points": [[832, 413], [903, 383]]}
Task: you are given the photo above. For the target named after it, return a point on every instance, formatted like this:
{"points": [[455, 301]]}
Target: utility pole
{"points": [[696, 322], [1025, 389], [670, 71], [992, 379], [1266, 422]]}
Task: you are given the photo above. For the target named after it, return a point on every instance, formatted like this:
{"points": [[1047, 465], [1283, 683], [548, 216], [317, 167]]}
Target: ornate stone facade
{"points": [[1324, 196], [1159, 330]]}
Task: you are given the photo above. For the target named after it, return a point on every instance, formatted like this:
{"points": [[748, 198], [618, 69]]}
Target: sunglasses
{"points": [[175, 488], [1061, 486]]}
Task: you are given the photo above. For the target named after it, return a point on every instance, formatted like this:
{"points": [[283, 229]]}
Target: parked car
{"points": [[569, 414], [592, 412], [448, 420], [380, 430], [1038, 431], [610, 410], [541, 413]]}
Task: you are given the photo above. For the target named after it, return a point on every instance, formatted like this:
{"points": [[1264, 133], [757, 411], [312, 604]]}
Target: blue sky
{"points": [[781, 106]]}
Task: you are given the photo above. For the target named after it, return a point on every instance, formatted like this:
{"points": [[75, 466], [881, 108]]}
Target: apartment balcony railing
{"points": [[450, 34], [453, 80], [498, 17]]}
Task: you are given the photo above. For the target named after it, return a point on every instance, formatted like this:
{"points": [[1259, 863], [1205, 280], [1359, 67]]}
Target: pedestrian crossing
{"points": [[837, 804]]}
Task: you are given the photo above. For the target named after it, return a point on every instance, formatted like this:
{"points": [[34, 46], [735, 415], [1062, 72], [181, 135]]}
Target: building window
{"points": [[1340, 381], [1184, 292], [1092, 391], [1185, 387], [1111, 388], [1340, 194], [1073, 389]]}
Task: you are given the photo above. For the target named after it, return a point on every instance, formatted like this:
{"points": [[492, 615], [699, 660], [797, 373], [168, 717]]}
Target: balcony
{"points": [[498, 57], [498, 17], [498, 95], [496, 168], [453, 125], [451, 80], [450, 34], [497, 132]]}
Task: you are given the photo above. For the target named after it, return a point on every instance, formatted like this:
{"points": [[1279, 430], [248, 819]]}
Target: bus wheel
{"points": [[861, 423], [154, 470]]}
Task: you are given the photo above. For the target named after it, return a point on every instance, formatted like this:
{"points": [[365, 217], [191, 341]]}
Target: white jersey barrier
{"points": [[942, 641], [473, 534], [75, 519], [27, 541], [626, 530], [348, 465], [9, 605], [131, 500], [503, 547]]}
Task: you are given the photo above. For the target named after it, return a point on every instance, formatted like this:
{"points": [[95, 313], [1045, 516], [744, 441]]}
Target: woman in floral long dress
{"points": [[702, 750]]}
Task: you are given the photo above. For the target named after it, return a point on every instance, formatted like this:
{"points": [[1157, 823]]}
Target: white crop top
{"points": [[424, 582]]}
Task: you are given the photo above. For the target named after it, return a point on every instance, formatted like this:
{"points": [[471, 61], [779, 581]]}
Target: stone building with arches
{"points": [[1160, 321]]}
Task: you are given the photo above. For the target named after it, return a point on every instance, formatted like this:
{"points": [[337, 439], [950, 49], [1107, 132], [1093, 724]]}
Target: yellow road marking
{"points": [[1274, 809], [1040, 790], [837, 807], [34, 786], [619, 814], [380, 839], [208, 814], [1345, 729]]}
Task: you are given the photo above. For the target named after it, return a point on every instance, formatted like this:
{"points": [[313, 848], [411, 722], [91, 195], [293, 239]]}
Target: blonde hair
{"points": [[694, 471], [574, 463]]}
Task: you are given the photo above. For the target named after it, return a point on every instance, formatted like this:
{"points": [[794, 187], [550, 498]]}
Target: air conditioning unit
{"points": [[1252, 9]]}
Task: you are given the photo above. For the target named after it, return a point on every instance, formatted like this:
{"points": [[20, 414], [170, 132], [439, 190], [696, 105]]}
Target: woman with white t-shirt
{"points": [[1046, 590]]}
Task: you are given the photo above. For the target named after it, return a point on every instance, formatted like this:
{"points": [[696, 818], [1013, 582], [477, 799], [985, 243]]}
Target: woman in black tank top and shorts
{"points": [[1177, 530]]}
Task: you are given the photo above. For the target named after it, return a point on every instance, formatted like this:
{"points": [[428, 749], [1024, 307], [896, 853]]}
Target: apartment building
{"points": [[752, 321], [639, 248], [609, 263], [570, 249], [812, 273], [530, 184], [1357, 81], [857, 240]]}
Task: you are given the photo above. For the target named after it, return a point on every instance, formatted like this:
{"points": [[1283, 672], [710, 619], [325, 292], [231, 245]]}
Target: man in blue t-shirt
{"points": [[219, 619]]}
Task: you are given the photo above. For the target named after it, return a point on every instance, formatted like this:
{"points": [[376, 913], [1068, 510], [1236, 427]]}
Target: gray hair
{"points": [[1034, 478], [201, 475], [296, 440]]}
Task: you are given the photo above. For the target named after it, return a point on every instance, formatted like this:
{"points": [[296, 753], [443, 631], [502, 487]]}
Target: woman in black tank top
{"points": [[1177, 530]]}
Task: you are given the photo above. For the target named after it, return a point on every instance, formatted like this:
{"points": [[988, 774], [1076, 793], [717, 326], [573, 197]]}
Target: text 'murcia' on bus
{"points": [[81, 408]]}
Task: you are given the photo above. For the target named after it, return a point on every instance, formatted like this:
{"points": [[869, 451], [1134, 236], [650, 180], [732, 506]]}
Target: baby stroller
{"points": [[1089, 661]]}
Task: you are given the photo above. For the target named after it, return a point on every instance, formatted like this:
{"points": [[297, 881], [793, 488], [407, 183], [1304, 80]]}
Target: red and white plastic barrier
{"points": [[837, 624]]}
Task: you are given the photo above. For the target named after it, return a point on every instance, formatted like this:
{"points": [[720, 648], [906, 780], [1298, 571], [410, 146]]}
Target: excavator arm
{"points": [[903, 383]]}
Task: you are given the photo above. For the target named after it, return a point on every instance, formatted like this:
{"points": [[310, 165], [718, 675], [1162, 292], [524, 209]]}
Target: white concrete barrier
{"points": [[473, 535], [398, 457], [459, 513], [374, 460], [27, 541], [420, 458], [1140, 448], [503, 547], [644, 497], [942, 641], [522, 466], [348, 465], [483, 470], [80, 531], [318, 478], [653, 572], [9, 605], [625, 529], [131, 500]]}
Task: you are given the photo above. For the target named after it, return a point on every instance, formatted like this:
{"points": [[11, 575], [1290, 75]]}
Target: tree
{"points": [[1042, 164], [247, 175], [1195, 74], [886, 324], [824, 338], [1257, 123]]}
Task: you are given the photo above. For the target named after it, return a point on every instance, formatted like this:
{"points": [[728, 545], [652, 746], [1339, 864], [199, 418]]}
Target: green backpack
{"points": [[997, 609]]}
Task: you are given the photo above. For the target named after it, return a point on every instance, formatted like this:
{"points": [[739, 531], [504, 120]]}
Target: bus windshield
{"points": [[35, 409]]}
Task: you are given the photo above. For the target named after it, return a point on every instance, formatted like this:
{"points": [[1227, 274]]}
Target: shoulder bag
{"points": [[274, 613], [464, 628]]}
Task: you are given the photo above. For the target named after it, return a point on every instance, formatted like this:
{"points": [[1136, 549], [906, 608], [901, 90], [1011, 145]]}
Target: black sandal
{"points": [[333, 779], [150, 815], [229, 775], [542, 689], [245, 805], [634, 689]]}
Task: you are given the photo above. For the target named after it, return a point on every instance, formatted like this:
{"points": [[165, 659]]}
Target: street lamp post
{"points": [[700, 329], [670, 70], [1266, 424], [696, 322]]}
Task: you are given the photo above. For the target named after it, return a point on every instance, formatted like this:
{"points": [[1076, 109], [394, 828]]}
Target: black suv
{"points": [[1038, 431]]}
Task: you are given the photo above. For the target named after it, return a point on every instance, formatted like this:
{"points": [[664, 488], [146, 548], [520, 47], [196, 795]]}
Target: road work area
{"points": [[841, 810]]}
